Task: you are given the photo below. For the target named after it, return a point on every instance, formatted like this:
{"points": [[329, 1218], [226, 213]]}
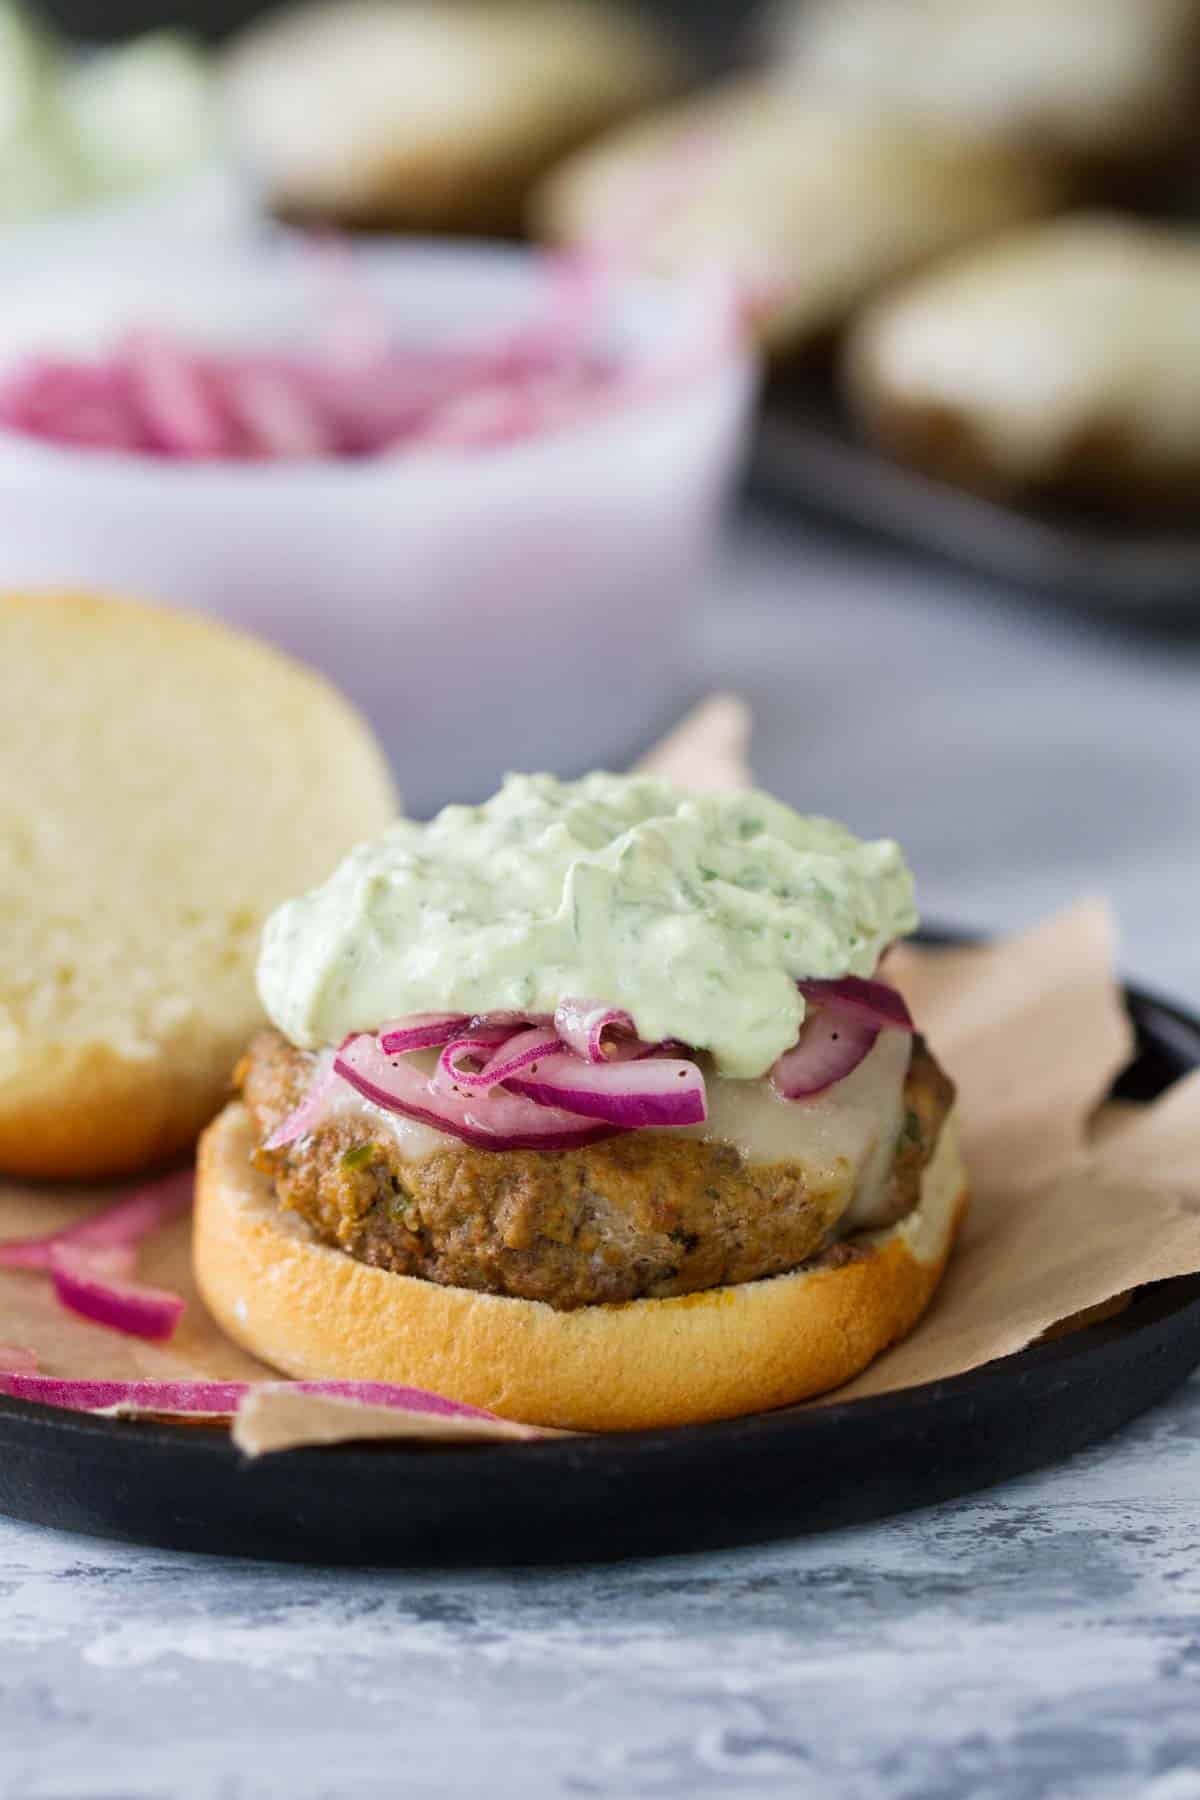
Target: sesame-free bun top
{"points": [[814, 205], [422, 115], [164, 782]]}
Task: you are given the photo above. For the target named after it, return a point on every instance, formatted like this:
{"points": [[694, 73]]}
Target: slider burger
{"points": [[587, 1106]]}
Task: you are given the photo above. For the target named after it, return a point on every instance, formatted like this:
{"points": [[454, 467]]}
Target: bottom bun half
{"points": [[315, 1312]]}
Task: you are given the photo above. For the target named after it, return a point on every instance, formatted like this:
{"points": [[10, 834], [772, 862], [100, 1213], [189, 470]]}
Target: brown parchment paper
{"points": [[1070, 1207]]}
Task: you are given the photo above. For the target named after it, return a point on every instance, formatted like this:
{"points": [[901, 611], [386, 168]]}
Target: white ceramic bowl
{"points": [[523, 607]]}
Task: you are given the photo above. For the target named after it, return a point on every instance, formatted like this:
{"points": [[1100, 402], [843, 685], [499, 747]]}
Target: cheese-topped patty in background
{"points": [[1055, 362]]}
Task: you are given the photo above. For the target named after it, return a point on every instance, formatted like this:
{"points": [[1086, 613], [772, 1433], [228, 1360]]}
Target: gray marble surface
{"points": [[1042, 1640], [1036, 1643]]}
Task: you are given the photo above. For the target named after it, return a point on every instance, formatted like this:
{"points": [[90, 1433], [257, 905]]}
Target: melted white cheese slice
{"points": [[844, 1138]]}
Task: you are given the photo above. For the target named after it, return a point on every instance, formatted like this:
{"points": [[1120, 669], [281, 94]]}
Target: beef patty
{"points": [[645, 1214]]}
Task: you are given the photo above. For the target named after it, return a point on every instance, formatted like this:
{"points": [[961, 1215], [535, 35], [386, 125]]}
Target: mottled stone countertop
{"points": [[1038, 1641]]}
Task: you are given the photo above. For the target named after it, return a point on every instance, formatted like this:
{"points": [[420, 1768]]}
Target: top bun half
{"points": [[165, 782]]}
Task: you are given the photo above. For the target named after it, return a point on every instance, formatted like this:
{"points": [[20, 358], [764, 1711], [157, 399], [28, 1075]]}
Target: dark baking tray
{"points": [[642, 1493], [807, 451]]}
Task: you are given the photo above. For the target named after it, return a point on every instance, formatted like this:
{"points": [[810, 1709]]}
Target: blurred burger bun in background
{"points": [[1095, 82], [1054, 362], [428, 116], [164, 782], [812, 203]]}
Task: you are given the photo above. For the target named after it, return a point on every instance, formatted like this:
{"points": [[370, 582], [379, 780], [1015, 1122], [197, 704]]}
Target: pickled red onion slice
{"points": [[308, 1115], [421, 1031], [493, 1121], [275, 413], [210, 1399], [597, 1032], [848, 1016], [477, 1043], [176, 396], [120, 1226], [516, 1051], [362, 393], [655, 1091], [590, 1065], [872, 1002], [87, 1283], [91, 1262], [829, 1048]]}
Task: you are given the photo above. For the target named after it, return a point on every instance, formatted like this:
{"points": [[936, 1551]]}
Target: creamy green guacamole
{"points": [[697, 913]]}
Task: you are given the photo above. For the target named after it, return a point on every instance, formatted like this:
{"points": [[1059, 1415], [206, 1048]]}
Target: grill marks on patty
{"points": [[641, 1215]]}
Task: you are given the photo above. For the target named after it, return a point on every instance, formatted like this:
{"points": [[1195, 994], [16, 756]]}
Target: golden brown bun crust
{"points": [[434, 117], [165, 781], [828, 203], [87, 1114], [313, 1311]]}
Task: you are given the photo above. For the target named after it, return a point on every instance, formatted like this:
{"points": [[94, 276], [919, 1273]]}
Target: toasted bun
{"points": [[164, 782], [1102, 84], [431, 117], [314, 1311], [817, 204]]}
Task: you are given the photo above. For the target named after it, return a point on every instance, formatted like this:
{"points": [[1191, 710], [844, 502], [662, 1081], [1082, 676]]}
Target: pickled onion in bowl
{"points": [[551, 574]]}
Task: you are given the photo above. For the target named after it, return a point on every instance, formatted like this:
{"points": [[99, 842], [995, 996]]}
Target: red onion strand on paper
{"points": [[209, 1399], [91, 1262], [119, 1226], [86, 1283]]}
